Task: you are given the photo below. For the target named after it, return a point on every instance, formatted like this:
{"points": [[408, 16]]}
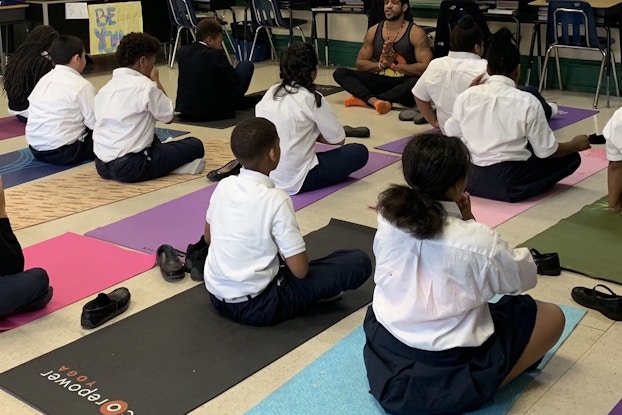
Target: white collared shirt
{"points": [[447, 77], [432, 294], [60, 107], [298, 122], [613, 134], [126, 110], [497, 121], [250, 223]]}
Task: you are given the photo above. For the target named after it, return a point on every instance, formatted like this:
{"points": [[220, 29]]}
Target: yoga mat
{"points": [[241, 115], [617, 410], [181, 221], [178, 354], [588, 242], [10, 127], [336, 382], [18, 167], [565, 117], [78, 267], [80, 189]]}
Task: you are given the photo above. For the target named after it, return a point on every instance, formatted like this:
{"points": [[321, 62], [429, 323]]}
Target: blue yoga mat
{"points": [[18, 167], [336, 382]]}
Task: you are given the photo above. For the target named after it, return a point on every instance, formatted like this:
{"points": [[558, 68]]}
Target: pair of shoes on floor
{"points": [[104, 308], [358, 132], [413, 115], [171, 267], [194, 167], [548, 264], [609, 304], [230, 169], [37, 303]]}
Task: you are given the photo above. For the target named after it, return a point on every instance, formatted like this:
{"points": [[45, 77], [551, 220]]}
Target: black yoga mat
{"points": [[178, 354], [242, 115]]}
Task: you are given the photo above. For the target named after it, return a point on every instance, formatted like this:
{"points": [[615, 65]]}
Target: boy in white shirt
{"points": [[257, 271], [60, 114], [126, 110], [613, 134]]}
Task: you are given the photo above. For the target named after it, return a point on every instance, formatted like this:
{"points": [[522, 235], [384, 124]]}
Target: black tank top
{"points": [[402, 47]]}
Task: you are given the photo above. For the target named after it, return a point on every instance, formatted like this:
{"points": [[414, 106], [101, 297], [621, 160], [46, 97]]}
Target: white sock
{"points": [[194, 167]]}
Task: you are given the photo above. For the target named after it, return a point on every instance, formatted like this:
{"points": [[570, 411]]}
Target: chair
{"points": [[571, 25], [183, 16], [449, 13], [265, 14]]}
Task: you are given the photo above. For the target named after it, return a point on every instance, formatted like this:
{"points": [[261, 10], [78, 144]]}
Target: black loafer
{"points": [[610, 305], [548, 264], [230, 169], [170, 265], [358, 132], [104, 307]]}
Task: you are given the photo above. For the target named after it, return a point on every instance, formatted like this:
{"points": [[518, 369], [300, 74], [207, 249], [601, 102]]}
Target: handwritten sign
{"points": [[109, 22], [76, 11]]}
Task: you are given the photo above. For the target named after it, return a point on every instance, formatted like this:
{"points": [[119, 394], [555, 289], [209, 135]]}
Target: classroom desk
{"points": [[10, 15], [44, 6], [326, 11]]}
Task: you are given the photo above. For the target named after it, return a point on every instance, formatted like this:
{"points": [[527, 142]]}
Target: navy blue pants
{"points": [[22, 289], [335, 165], [287, 296], [74, 153], [513, 181], [155, 161], [366, 85], [244, 72]]}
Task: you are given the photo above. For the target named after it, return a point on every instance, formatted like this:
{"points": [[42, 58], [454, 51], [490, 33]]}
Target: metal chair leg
{"points": [[302, 35], [544, 70], [559, 72], [171, 62], [600, 79]]}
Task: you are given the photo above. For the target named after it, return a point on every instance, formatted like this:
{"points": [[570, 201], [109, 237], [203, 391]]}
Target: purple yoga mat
{"points": [[10, 127], [181, 221], [617, 410], [565, 117]]}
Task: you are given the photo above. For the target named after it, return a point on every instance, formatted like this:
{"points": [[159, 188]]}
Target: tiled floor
{"points": [[584, 377]]}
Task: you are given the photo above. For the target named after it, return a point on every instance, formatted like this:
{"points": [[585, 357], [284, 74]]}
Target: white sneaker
{"points": [[194, 167], [554, 109]]}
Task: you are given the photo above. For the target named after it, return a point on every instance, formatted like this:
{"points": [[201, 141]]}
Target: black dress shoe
{"points": [[104, 307], [610, 305], [196, 254], [230, 169], [358, 132], [548, 264], [170, 265]]}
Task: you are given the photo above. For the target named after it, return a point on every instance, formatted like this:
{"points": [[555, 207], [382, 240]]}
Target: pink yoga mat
{"points": [[181, 221], [78, 267], [10, 127], [494, 213]]}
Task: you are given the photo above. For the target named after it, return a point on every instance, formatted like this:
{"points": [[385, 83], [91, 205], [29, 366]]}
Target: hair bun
{"points": [[502, 36]]}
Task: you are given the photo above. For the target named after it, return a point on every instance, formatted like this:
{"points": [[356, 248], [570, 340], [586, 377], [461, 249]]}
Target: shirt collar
{"points": [[451, 208], [66, 68], [256, 177], [502, 79], [203, 43], [126, 71], [463, 55]]}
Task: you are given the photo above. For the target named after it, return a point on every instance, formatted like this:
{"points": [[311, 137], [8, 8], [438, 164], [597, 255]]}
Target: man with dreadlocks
{"points": [[27, 65]]}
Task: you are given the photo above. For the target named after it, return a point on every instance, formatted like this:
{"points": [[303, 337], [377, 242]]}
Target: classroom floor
{"points": [[584, 376]]}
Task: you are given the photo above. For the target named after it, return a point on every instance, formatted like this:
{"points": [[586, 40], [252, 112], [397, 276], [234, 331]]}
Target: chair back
{"points": [[450, 12], [182, 13], [266, 13], [571, 23]]}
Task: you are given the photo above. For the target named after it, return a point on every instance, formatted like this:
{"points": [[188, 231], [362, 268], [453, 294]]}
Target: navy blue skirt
{"points": [[405, 380]]}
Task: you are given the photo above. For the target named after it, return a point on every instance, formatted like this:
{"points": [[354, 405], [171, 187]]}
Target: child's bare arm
{"points": [[207, 235], [614, 183], [298, 264]]}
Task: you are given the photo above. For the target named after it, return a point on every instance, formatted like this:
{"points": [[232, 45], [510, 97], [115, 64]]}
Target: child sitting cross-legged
{"points": [[257, 271]]}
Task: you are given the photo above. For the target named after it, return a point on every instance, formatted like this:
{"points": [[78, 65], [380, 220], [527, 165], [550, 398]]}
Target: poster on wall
{"points": [[108, 23]]}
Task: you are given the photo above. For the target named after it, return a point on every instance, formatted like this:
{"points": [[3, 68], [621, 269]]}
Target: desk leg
{"points": [[314, 32], [46, 16], [326, 37]]}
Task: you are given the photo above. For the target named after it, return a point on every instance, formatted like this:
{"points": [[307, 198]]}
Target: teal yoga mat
{"points": [[588, 242], [336, 382]]}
